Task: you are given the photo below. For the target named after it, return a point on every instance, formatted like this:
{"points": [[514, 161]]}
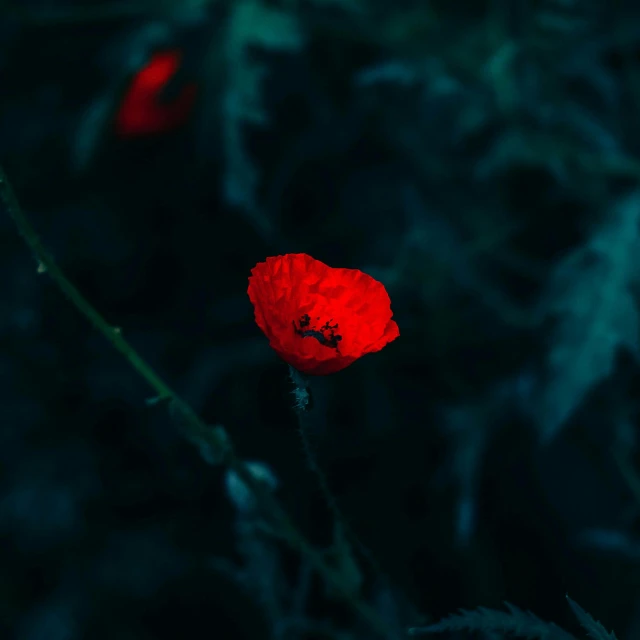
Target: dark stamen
{"points": [[325, 335]]}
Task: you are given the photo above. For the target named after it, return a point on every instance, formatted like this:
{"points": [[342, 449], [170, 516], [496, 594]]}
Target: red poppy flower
{"points": [[142, 111], [319, 319]]}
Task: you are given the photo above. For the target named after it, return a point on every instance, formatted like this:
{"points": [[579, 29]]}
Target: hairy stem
{"points": [[195, 429], [343, 529], [320, 476]]}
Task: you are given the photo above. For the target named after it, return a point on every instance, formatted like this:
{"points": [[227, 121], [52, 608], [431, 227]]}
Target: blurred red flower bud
{"points": [[141, 111]]}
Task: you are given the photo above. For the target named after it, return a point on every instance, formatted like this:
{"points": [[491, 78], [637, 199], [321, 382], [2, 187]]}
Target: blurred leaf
{"points": [[594, 629], [522, 624], [250, 24], [590, 297]]}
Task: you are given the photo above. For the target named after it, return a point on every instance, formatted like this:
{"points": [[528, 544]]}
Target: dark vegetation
{"points": [[480, 159]]}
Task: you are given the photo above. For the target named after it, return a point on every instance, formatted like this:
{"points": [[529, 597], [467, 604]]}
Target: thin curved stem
{"points": [[344, 529], [195, 429], [319, 473]]}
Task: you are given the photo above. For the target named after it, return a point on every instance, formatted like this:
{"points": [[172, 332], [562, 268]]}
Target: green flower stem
{"points": [[317, 471], [195, 429], [302, 405], [344, 533]]}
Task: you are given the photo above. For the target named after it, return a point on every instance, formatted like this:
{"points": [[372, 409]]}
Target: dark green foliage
{"points": [[593, 628], [480, 158], [515, 622]]}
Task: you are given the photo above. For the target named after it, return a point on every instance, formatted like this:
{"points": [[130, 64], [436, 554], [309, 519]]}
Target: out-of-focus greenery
{"points": [[479, 158]]}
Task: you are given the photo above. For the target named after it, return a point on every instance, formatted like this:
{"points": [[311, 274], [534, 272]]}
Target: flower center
{"points": [[326, 334]]}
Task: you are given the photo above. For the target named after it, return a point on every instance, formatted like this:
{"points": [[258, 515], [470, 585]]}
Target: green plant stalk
{"points": [[195, 429], [343, 530]]}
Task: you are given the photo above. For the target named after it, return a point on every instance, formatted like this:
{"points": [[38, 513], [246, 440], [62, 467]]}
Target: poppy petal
{"points": [[317, 318]]}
